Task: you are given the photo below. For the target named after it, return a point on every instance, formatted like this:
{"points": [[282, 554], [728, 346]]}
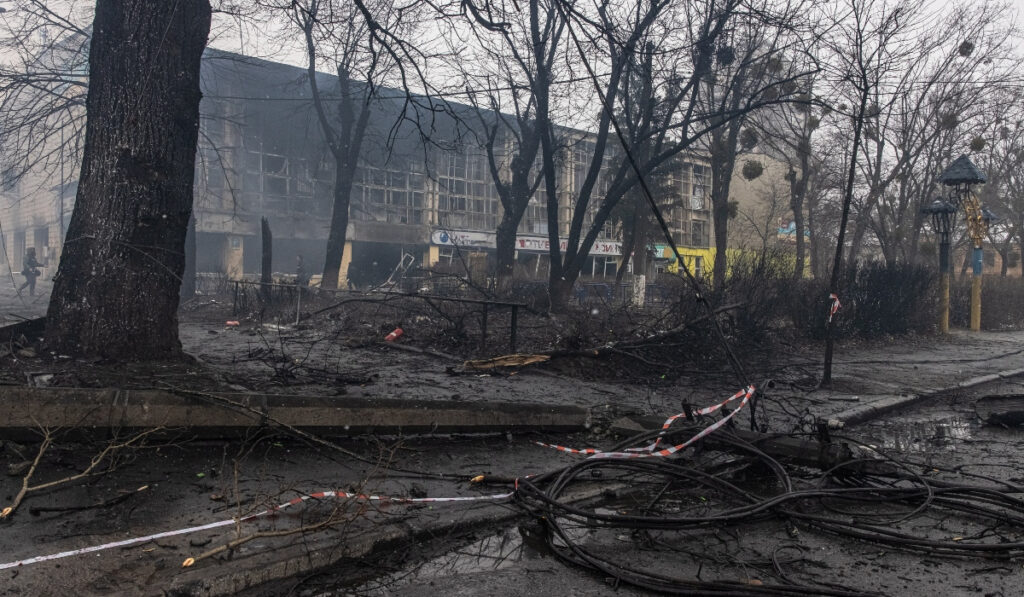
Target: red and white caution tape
{"points": [[223, 523], [835, 306], [650, 451], [707, 410]]}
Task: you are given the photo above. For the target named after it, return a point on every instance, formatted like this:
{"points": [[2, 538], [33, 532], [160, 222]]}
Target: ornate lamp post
{"points": [[943, 216]]}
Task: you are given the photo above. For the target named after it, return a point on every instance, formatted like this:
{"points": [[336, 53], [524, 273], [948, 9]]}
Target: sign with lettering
{"points": [[529, 243]]}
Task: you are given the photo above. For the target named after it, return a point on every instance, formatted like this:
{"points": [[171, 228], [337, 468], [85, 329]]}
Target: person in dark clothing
{"points": [[30, 271], [301, 277], [352, 275]]}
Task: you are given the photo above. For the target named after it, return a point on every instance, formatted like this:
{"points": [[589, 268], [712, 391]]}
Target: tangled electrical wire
{"points": [[677, 505]]}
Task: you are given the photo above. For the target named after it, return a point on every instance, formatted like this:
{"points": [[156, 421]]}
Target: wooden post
{"points": [[515, 324], [976, 290]]}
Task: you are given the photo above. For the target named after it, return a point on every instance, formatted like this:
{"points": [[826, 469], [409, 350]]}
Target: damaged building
{"points": [[423, 192]]}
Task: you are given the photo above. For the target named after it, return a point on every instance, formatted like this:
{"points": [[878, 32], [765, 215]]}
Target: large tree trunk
{"points": [[116, 290], [628, 245], [505, 244], [339, 225], [721, 179]]}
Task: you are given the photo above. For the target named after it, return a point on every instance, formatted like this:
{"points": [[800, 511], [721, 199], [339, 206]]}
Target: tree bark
{"points": [[798, 190], [116, 293], [345, 144]]}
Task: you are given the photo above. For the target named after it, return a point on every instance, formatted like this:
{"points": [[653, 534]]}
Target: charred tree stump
{"points": [[116, 293], [266, 265]]}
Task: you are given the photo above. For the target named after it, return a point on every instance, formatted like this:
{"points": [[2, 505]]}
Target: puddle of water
{"points": [[923, 436]]}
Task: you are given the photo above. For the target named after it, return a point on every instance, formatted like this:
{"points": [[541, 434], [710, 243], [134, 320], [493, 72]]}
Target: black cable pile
{"points": [[665, 503]]}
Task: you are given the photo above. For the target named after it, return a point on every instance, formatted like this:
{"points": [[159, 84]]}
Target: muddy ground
{"points": [[188, 482], [175, 481]]}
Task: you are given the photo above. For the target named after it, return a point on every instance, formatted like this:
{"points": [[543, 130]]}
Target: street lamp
{"points": [[943, 216]]}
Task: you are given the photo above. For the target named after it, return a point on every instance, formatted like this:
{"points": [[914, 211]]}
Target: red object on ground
{"points": [[231, 323], [393, 335]]}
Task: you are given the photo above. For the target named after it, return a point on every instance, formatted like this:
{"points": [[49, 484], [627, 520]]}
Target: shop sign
{"points": [[538, 244]]}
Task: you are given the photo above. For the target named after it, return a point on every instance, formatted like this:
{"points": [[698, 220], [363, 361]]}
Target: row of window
{"points": [[466, 195]]}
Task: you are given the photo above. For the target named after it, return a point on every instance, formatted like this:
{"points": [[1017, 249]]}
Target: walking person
{"points": [[30, 270], [301, 277]]}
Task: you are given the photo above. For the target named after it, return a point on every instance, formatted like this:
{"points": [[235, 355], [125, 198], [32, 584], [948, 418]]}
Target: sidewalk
{"points": [[868, 383]]}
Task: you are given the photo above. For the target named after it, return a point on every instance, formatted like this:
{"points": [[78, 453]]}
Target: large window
{"points": [[698, 196], [392, 196], [273, 182], [466, 197], [699, 234]]}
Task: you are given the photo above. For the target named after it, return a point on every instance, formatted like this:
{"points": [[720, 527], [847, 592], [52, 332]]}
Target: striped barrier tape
{"points": [[835, 306], [707, 410], [320, 495], [650, 451]]}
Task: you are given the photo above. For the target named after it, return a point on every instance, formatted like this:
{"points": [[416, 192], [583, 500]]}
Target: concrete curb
{"points": [[227, 415], [876, 408]]}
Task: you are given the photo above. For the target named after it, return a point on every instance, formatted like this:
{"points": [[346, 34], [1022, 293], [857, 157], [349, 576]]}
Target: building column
{"points": [[431, 256], [346, 261]]}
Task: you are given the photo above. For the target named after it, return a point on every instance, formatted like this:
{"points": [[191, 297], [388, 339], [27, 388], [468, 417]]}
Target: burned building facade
{"points": [[423, 188]]}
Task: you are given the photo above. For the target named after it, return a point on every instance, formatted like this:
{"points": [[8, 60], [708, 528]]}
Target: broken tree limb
{"points": [[1001, 409], [89, 470], [620, 346], [509, 360]]}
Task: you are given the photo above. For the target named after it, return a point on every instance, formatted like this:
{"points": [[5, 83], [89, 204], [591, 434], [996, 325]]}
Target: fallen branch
{"points": [[44, 446], [617, 347], [37, 510], [331, 520]]}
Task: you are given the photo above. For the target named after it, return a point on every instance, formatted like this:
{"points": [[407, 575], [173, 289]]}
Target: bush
{"points": [[1002, 303], [877, 300], [756, 281]]}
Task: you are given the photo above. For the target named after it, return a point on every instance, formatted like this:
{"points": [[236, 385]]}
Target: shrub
{"points": [[1002, 303], [877, 300]]}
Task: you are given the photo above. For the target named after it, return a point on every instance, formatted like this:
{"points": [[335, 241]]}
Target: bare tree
{"points": [[116, 290], [756, 60], [525, 50], [684, 39], [1000, 154], [859, 62], [43, 85], [787, 133], [336, 34], [939, 80]]}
